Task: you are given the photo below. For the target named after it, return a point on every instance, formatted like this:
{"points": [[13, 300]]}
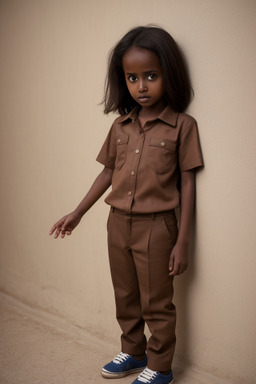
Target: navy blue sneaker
{"points": [[153, 377], [123, 365]]}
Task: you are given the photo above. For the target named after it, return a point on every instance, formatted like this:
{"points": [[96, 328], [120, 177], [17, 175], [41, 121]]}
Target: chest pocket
{"points": [[162, 155], [121, 150]]}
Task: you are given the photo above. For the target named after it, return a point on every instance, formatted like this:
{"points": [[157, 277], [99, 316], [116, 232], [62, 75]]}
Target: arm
{"points": [[179, 256], [70, 221]]}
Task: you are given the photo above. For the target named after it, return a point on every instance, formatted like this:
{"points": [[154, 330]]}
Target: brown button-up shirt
{"points": [[147, 161]]}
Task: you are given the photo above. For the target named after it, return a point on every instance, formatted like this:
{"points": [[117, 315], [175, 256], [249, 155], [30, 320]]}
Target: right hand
{"points": [[65, 225]]}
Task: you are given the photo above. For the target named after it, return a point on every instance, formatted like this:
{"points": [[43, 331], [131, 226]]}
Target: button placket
{"points": [[135, 164]]}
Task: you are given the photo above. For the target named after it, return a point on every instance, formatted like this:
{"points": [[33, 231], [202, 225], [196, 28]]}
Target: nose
{"points": [[142, 86]]}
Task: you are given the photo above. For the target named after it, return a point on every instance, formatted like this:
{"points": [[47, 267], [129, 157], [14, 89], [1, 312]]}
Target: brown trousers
{"points": [[139, 253]]}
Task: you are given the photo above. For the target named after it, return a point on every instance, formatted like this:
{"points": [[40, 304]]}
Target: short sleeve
{"points": [[107, 154], [190, 154]]}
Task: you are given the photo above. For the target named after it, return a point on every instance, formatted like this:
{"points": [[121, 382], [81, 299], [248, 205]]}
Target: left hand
{"points": [[178, 259]]}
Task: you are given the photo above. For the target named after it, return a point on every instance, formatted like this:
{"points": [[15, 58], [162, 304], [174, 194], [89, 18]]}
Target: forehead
{"points": [[140, 60]]}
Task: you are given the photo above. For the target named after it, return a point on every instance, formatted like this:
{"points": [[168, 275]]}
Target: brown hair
{"points": [[178, 90]]}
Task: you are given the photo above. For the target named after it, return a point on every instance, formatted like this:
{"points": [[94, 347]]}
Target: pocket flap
{"points": [[162, 143], [122, 139]]}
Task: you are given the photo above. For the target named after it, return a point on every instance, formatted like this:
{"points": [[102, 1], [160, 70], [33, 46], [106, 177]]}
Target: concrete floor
{"points": [[39, 348]]}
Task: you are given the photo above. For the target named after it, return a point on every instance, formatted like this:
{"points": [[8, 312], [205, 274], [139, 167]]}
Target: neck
{"points": [[145, 117], [151, 113]]}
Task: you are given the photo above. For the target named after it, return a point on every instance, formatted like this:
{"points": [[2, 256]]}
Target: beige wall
{"points": [[53, 61]]}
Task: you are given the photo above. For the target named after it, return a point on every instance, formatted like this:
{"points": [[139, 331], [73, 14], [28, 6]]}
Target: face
{"points": [[143, 75]]}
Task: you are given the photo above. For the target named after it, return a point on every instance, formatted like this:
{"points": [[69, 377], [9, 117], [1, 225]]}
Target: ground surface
{"points": [[38, 348]]}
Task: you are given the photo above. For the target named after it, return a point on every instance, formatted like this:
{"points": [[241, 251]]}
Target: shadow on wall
{"points": [[182, 292]]}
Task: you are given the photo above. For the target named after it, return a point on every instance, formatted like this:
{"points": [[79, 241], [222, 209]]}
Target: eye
{"points": [[152, 76], [132, 78]]}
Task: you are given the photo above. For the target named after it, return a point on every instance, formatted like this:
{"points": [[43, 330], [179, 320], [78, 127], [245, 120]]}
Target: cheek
{"points": [[130, 88], [160, 88]]}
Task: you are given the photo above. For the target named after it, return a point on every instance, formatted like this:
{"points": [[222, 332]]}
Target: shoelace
{"points": [[120, 358], [147, 375]]}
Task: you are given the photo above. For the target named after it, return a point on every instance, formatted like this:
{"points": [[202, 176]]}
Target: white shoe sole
{"points": [[112, 375]]}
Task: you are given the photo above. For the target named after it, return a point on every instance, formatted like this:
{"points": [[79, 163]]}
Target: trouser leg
{"points": [[125, 283], [151, 255], [139, 252]]}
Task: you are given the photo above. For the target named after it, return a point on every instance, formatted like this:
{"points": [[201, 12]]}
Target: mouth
{"points": [[143, 99]]}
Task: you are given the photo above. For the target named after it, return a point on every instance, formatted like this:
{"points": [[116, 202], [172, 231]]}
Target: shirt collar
{"points": [[132, 115], [167, 115]]}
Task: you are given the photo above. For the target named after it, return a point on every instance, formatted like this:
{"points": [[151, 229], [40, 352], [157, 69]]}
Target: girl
{"points": [[151, 147]]}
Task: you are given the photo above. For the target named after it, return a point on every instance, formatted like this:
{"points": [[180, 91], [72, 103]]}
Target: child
{"points": [[151, 147]]}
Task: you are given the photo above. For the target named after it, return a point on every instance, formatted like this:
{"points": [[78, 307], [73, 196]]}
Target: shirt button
{"points": [[137, 151], [162, 143], [129, 193], [119, 141], [132, 173]]}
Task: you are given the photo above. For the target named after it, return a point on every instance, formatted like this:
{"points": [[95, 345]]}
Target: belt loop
{"points": [[112, 209], [153, 216]]}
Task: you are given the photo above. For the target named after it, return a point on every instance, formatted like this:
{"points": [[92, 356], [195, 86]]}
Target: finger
{"points": [[174, 273], [174, 270], [57, 232], [178, 270], [52, 230], [63, 232], [171, 264], [56, 226]]}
